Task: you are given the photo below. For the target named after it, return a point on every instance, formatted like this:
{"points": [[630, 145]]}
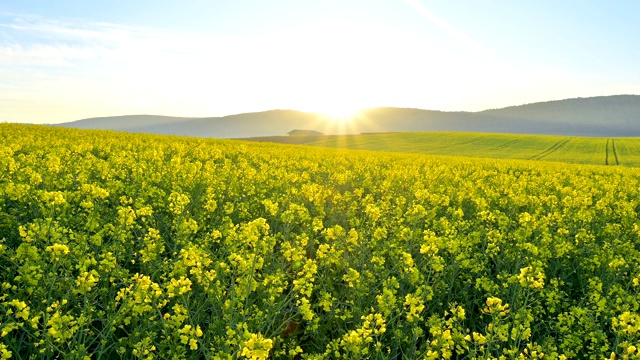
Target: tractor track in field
{"points": [[607, 160], [555, 147], [504, 145]]}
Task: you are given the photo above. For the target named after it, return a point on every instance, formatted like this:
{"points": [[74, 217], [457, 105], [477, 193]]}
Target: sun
{"points": [[341, 113]]}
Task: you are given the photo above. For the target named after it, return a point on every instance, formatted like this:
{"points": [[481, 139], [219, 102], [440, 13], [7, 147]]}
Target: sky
{"points": [[68, 60]]}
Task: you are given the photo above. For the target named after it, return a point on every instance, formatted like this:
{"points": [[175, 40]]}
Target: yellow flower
{"points": [[494, 305], [193, 344], [86, 281], [4, 353], [351, 277], [58, 249], [479, 338], [415, 305], [256, 347], [190, 336], [631, 349], [179, 286]]}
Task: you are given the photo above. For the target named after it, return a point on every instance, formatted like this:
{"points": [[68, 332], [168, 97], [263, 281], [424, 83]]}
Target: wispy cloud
{"points": [[452, 31], [37, 41], [134, 69]]}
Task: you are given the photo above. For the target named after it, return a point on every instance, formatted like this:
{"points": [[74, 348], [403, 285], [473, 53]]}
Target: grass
{"points": [[570, 149], [628, 151]]}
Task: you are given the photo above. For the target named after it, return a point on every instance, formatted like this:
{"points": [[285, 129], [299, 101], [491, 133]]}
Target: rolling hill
{"points": [[617, 115]]}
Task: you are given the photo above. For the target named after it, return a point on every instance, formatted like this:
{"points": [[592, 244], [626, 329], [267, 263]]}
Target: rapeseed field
{"points": [[118, 245]]}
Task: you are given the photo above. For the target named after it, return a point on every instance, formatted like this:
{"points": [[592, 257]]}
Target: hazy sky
{"points": [[67, 60]]}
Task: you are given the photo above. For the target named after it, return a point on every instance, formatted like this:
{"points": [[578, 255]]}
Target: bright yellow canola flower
{"points": [[256, 347], [4, 352]]}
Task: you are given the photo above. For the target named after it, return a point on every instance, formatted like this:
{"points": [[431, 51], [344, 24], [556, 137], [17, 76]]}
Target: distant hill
{"points": [[273, 122], [617, 115]]}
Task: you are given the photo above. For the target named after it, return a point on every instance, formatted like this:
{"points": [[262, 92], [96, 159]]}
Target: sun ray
{"points": [[340, 113]]}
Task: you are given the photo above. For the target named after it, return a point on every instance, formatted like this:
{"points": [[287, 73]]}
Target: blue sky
{"points": [[67, 60]]}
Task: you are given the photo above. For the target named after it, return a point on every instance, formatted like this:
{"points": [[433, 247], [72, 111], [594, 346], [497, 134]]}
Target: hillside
{"points": [[233, 126], [601, 116], [617, 115]]}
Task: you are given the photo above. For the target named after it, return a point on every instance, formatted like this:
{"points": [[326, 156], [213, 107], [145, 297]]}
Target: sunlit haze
{"points": [[68, 60]]}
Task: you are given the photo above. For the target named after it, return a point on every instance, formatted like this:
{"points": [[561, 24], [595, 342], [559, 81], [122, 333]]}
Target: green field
{"points": [[580, 150]]}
